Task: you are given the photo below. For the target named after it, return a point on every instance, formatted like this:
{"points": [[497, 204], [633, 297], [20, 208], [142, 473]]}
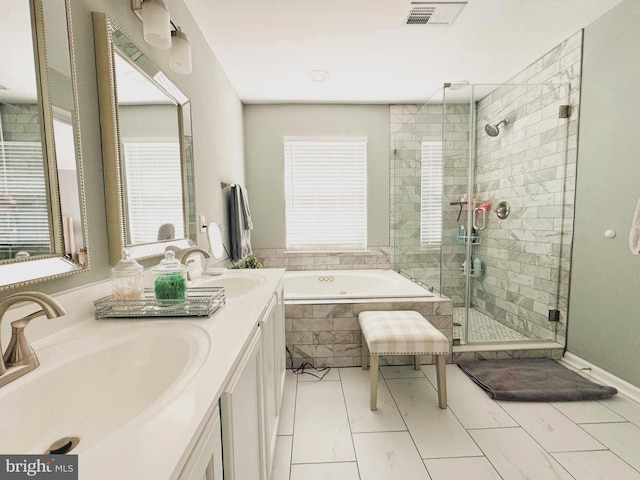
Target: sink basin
{"points": [[235, 284], [105, 381]]}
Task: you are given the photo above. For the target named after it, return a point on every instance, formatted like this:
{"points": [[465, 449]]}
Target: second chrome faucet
{"points": [[19, 358]]}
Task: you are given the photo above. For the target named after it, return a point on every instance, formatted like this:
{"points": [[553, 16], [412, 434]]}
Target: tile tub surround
{"points": [[373, 258], [329, 335]]}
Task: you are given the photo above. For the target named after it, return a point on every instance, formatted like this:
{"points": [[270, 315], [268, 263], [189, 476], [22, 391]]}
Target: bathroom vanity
{"points": [[190, 398]]}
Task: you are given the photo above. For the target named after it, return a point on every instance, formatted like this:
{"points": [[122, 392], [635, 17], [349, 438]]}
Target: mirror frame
{"points": [[104, 30], [28, 271]]}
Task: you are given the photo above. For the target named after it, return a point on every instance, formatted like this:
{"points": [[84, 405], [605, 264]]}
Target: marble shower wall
{"points": [[531, 165]]}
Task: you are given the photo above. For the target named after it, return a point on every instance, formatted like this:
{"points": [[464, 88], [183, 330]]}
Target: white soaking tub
{"points": [[329, 286]]}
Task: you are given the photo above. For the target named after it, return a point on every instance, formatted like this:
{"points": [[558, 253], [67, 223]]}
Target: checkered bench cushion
{"points": [[401, 332]]}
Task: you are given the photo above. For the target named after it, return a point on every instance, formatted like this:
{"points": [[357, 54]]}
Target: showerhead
{"points": [[493, 129]]}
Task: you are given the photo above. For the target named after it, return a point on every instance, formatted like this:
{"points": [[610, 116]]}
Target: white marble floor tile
{"points": [[288, 408], [516, 456], [623, 439], [436, 432], [331, 375], [388, 456], [282, 458], [473, 407], [550, 428], [625, 407], [602, 465], [356, 387], [587, 412], [401, 371], [476, 468], [321, 432], [325, 471]]}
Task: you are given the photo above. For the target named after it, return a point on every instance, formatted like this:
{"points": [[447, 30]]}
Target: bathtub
{"points": [[348, 286]]}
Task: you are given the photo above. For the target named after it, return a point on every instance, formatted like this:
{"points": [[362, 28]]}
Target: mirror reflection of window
{"points": [[24, 214], [154, 191]]}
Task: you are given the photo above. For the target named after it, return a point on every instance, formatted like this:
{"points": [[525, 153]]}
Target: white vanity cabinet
{"points": [[239, 438], [250, 405]]}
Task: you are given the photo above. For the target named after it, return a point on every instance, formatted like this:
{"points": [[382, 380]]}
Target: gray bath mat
{"points": [[533, 380]]}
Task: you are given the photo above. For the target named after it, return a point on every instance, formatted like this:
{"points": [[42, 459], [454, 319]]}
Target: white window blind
{"points": [[431, 194], [24, 212], [154, 189], [326, 194]]}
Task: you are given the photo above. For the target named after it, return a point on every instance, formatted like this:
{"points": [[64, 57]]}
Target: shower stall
{"points": [[482, 188]]}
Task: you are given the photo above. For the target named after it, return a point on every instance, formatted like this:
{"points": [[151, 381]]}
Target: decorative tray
{"points": [[199, 302]]}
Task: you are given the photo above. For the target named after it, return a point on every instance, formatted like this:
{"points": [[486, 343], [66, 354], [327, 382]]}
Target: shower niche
{"points": [[491, 168]]}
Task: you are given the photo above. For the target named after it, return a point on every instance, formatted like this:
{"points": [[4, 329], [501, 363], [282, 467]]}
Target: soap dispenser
{"points": [[127, 278], [170, 275]]}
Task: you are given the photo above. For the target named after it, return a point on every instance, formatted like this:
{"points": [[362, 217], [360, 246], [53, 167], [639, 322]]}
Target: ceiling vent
{"points": [[432, 13]]}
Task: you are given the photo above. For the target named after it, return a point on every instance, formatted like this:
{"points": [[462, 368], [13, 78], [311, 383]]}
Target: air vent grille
{"points": [[428, 13]]}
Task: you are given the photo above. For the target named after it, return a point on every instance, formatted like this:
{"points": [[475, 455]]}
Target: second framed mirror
{"points": [[147, 149]]}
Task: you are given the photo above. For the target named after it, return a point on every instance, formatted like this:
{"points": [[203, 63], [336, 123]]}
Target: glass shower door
{"points": [[506, 146]]}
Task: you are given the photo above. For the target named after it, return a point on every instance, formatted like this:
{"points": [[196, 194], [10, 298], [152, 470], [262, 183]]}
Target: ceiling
{"points": [[268, 48]]}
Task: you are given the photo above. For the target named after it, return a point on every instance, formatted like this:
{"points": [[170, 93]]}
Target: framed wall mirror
{"points": [[147, 149], [42, 209]]}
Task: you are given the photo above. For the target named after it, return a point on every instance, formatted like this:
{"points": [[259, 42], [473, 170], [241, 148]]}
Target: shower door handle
{"points": [[479, 211]]}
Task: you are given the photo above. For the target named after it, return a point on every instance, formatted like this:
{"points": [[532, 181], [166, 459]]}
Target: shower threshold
{"points": [[484, 329]]}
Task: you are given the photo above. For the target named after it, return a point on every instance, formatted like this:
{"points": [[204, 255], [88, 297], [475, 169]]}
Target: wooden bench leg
{"points": [[416, 362], [365, 352], [441, 380], [374, 382]]}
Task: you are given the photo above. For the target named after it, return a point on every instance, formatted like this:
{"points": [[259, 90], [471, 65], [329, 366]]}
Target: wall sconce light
{"points": [[160, 32], [180, 53], [156, 23]]}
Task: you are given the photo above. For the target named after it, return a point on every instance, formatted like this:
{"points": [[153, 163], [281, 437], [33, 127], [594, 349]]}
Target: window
{"points": [[326, 194], [431, 194], [24, 211], [154, 191]]}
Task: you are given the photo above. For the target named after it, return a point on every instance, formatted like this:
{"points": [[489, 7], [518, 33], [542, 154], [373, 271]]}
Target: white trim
{"points": [[602, 376], [508, 346]]}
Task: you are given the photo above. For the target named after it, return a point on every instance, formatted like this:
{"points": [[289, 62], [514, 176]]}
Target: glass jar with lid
{"points": [[127, 279], [170, 278]]}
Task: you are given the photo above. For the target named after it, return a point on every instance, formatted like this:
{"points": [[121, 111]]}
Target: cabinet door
{"points": [[279, 345], [205, 461], [242, 413], [271, 397]]}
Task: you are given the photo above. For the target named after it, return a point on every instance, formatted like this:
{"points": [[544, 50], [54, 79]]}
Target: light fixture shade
{"points": [[156, 23], [180, 53]]}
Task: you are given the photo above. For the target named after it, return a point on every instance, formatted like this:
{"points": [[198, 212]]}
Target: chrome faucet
{"points": [[19, 358], [190, 251]]}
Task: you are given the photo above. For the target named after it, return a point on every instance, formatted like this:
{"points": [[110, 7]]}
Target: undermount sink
{"points": [[104, 382], [235, 284]]}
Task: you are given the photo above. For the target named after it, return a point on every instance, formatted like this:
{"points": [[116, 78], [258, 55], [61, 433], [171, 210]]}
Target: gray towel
{"points": [[241, 224]]}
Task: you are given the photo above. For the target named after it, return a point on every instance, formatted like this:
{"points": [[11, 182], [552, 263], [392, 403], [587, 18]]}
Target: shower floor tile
{"points": [[482, 328]]}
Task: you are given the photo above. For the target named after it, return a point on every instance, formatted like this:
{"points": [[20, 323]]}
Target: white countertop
{"points": [[155, 446]]}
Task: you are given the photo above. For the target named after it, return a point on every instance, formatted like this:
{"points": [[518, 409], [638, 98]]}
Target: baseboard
{"points": [[602, 376]]}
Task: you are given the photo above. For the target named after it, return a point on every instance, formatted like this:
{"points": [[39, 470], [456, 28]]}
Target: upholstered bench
{"points": [[402, 332]]}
